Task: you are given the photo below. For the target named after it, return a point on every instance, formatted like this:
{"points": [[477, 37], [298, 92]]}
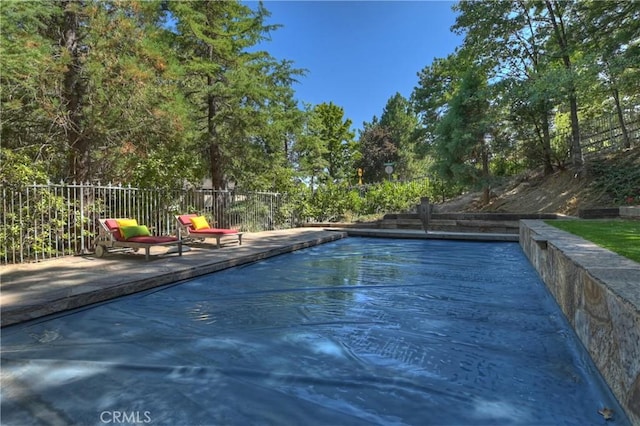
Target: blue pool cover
{"points": [[356, 332]]}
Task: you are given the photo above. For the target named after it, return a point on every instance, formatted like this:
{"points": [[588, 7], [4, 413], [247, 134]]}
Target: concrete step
{"points": [[454, 223], [477, 223], [476, 229], [630, 212], [599, 213], [401, 224]]}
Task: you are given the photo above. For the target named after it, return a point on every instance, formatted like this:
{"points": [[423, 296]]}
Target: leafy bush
{"points": [[46, 225], [338, 202], [394, 196], [17, 170], [331, 202], [620, 179], [29, 206]]}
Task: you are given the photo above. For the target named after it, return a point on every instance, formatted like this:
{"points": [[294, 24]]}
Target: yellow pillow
{"points": [[199, 222], [125, 222]]}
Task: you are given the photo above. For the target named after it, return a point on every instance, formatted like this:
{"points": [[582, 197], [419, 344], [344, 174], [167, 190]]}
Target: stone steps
{"points": [[414, 223], [450, 225], [497, 226], [599, 213], [503, 223]]}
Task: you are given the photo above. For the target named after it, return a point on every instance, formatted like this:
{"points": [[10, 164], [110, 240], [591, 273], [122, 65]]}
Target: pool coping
{"points": [[422, 235], [599, 294]]}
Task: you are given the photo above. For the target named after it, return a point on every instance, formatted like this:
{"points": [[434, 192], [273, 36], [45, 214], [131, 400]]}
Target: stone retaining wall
{"points": [[630, 212], [599, 293]]}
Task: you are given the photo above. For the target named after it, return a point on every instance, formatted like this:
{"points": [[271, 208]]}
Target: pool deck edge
{"points": [[599, 294], [419, 234], [35, 290]]}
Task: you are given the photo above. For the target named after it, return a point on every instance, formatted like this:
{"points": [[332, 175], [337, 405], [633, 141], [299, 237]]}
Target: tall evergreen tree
{"points": [[431, 97], [29, 71], [310, 150], [461, 136], [326, 150], [377, 147], [402, 123], [335, 132], [227, 81], [102, 101], [137, 111]]}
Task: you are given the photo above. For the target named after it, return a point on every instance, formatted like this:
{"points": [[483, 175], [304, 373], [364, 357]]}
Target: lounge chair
{"points": [[126, 233], [196, 227]]}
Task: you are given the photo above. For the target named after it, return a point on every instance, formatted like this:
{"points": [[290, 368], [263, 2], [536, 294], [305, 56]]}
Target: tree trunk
{"points": [[73, 91], [546, 145], [561, 36], [215, 156], [576, 146], [543, 107], [217, 178], [625, 135], [486, 195]]}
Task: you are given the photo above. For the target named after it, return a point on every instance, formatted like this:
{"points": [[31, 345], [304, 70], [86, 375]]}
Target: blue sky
{"points": [[358, 54]]}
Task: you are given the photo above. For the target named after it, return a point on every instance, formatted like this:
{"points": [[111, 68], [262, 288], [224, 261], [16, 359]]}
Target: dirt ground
{"points": [[565, 191]]}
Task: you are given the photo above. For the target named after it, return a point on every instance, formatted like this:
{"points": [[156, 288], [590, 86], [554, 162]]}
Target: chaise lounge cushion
{"points": [[134, 231], [114, 228], [220, 231], [112, 224], [151, 240], [185, 219]]}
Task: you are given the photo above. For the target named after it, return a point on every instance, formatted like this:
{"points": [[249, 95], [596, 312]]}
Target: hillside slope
{"points": [[609, 179]]}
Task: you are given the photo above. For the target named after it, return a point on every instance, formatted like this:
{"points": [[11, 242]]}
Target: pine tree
{"points": [[461, 145], [229, 83]]}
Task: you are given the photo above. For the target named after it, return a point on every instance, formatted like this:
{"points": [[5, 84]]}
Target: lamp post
{"points": [[388, 168]]}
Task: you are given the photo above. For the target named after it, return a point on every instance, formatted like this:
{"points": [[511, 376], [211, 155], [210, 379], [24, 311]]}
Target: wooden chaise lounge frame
{"points": [[109, 237], [186, 230]]}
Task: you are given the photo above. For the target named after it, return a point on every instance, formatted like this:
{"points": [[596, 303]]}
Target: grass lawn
{"points": [[620, 236]]}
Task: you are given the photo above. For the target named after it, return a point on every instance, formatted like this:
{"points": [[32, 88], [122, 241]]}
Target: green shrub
{"points": [[620, 179], [340, 202]]}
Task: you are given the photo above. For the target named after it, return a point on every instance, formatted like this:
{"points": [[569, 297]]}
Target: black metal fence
{"points": [[39, 222], [605, 133]]}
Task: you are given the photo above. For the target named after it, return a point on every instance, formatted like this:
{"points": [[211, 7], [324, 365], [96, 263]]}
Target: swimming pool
{"points": [[359, 331]]}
